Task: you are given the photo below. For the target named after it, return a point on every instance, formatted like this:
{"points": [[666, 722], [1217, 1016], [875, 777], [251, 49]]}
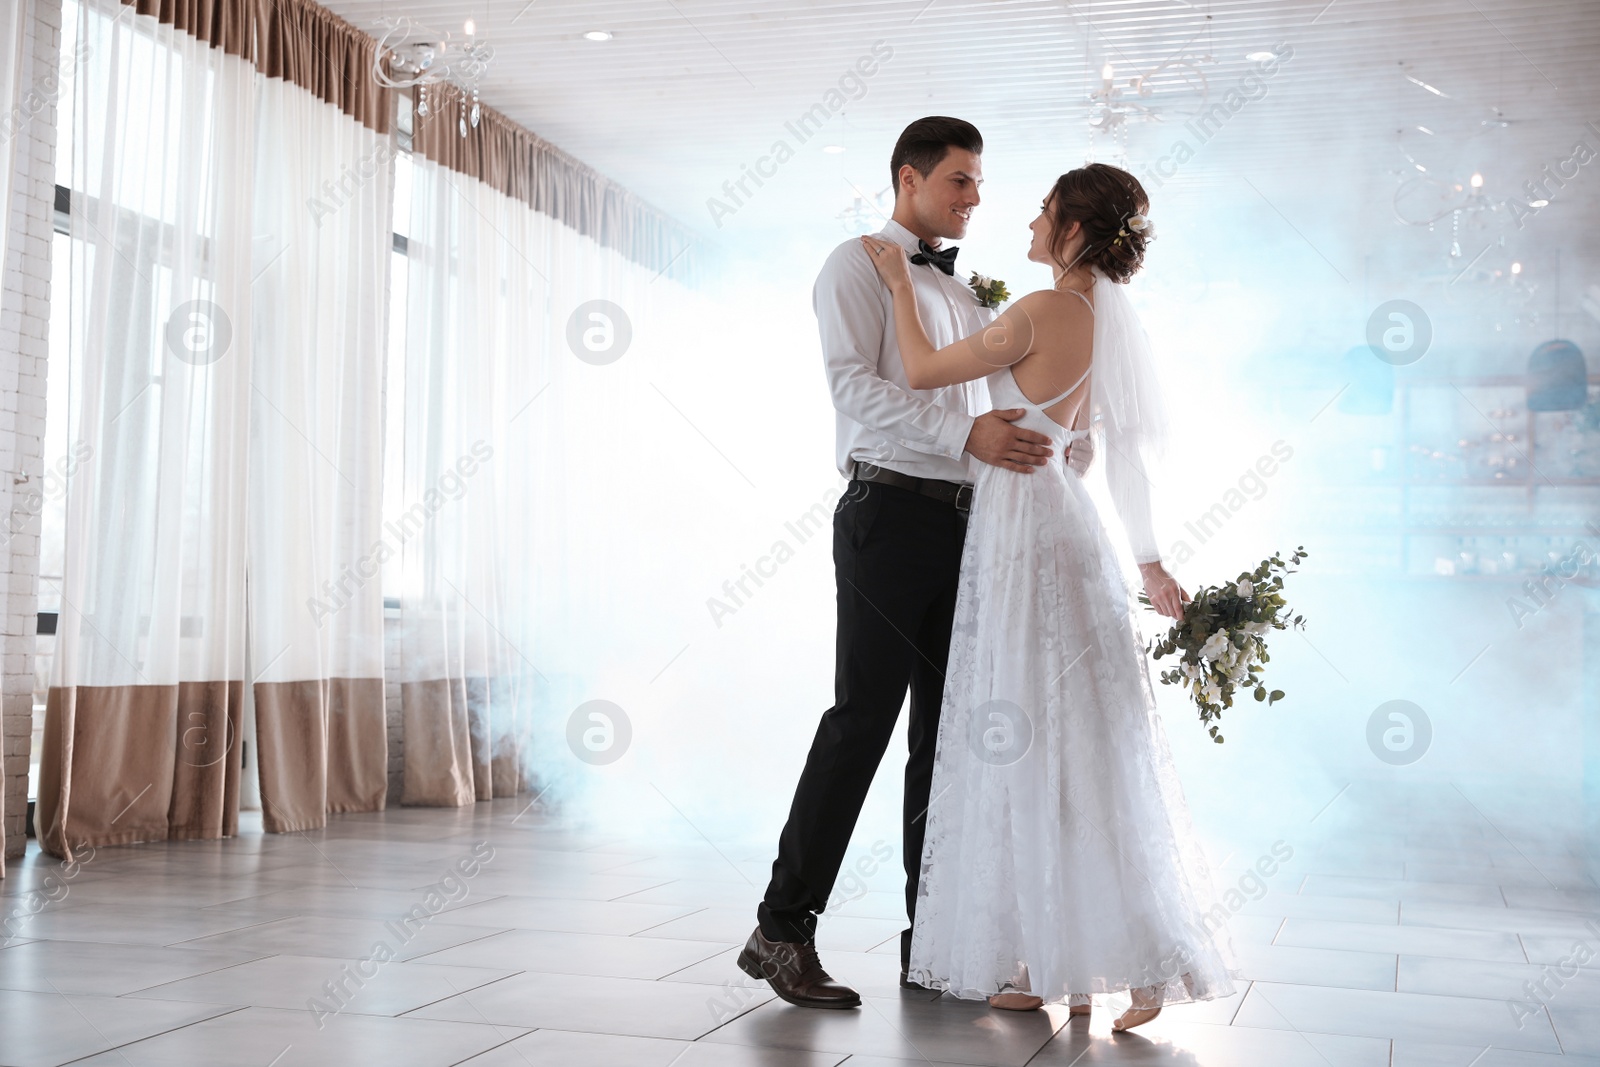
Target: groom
{"points": [[897, 538]]}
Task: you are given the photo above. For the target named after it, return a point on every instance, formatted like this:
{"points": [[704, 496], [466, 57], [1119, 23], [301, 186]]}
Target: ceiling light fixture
{"points": [[410, 55], [1425, 85], [1259, 57], [598, 35]]}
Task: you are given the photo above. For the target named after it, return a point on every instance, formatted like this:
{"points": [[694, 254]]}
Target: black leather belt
{"points": [[953, 493]]}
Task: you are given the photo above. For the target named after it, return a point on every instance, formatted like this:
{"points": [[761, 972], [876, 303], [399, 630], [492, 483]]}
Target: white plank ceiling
{"points": [[688, 91]]}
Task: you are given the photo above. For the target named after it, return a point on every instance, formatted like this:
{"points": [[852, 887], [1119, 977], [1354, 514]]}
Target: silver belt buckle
{"points": [[964, 499]]}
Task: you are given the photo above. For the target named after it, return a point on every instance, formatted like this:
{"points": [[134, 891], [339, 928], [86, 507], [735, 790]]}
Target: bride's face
{"points": [[1043, 228]]}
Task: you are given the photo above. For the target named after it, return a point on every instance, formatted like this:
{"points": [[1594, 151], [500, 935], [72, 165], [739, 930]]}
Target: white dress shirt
{"points": [[881, 419]]}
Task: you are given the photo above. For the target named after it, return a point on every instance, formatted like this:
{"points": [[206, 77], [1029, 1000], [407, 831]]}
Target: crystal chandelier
{"points": [[1440, 179], [1113, 107], [410, 54]]}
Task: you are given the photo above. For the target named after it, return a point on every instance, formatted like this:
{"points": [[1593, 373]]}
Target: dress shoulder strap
{"points": [[1070, 390], [1086, 301]]}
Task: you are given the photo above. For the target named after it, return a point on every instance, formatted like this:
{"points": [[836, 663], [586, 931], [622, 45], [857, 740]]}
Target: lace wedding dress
{"points": [[1058, 837]]}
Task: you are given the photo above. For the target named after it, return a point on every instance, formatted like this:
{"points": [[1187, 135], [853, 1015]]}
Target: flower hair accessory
{"points": [[1136, 224]]}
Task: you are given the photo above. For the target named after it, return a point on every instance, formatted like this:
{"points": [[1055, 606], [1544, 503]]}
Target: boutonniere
{"points": [[991, 292]]}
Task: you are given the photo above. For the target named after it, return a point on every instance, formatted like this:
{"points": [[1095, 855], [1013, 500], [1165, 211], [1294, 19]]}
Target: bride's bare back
{"points": [[1061, 352]]}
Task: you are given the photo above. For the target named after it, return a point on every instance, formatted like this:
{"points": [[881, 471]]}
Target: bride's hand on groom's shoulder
{"points": [[889, 259], [1166, 595]]}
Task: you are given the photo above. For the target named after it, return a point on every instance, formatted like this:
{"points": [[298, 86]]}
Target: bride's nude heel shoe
{"points": [[1078, 1004], [1138, 1014], [1009, 999], [1014, 995]]}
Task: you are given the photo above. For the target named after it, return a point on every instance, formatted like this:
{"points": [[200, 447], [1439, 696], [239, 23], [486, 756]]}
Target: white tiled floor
{"points": [[1374, 948]]}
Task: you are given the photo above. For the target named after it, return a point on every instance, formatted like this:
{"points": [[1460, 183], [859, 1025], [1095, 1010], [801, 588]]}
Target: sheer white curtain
{"points": [[225, 345], [493, 287], [323, 222], [147, 681]]}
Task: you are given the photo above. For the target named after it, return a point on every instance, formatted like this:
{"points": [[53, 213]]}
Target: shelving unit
{"points": [[1522, 476]]}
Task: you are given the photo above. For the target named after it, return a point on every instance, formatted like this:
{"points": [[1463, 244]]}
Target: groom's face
{"points": [[943, 201]]}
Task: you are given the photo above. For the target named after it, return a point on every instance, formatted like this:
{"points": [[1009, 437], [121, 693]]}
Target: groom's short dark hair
{"points": [[924, 144]]}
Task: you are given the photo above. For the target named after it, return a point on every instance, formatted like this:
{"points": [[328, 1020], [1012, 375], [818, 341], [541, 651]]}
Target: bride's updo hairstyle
{"points": [[1101, 198]]}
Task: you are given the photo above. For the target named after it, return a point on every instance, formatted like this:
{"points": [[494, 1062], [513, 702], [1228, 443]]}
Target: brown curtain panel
{"points": [[322, 750], [454, 753], [508, 157], [160, 762], [299, 41]]}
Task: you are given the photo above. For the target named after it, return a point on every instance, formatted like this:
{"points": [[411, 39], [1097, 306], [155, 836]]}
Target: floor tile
{"points": [[1316, 966], [1575, 1011], [107, 970], [1485, 979], [254, 1037], [1536, 921], [1397, 889], [601, 955], [559, 1047], [1420, 1054], [1586, 901], [1366, 1013], [1179, 1044], [573, 916], [1413, 940], [957, 1031], [322, 935], [599, 1005], [128, 924], [347, 902], [45, 1029], [367, 986], [1561, 951], [1303, 906], [701, 893]]}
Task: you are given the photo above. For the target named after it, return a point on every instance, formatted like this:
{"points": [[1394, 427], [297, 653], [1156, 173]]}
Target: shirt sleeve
{"points": [[1130, 493], [853, 313]]}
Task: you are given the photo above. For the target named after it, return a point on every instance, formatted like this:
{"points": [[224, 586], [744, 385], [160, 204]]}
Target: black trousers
{"points": [[897, 561]]}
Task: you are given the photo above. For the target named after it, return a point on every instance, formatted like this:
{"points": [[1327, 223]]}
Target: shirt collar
{"points": [[903, 237]]}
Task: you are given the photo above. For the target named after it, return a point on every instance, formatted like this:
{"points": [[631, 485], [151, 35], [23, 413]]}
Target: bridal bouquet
{"points": [[1221, 640]]}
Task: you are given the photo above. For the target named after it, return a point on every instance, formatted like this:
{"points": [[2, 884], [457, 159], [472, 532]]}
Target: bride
{"points": [[1060, 861]]}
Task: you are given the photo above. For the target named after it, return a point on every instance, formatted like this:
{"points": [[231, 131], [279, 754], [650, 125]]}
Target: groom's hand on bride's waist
{"points": [[998, 443]]}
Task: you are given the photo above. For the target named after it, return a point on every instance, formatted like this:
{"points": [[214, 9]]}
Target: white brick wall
{"points": [[24, 332]]}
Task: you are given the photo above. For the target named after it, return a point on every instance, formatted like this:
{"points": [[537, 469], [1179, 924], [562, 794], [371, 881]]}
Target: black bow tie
{"points": [[943, 258]]}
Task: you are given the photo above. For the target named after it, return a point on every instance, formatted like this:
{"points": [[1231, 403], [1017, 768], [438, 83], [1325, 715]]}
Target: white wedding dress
{"points": [[1058, 837]]}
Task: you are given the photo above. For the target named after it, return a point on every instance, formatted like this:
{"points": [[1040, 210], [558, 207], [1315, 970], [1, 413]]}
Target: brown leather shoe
{"points": [[795, 973]]}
